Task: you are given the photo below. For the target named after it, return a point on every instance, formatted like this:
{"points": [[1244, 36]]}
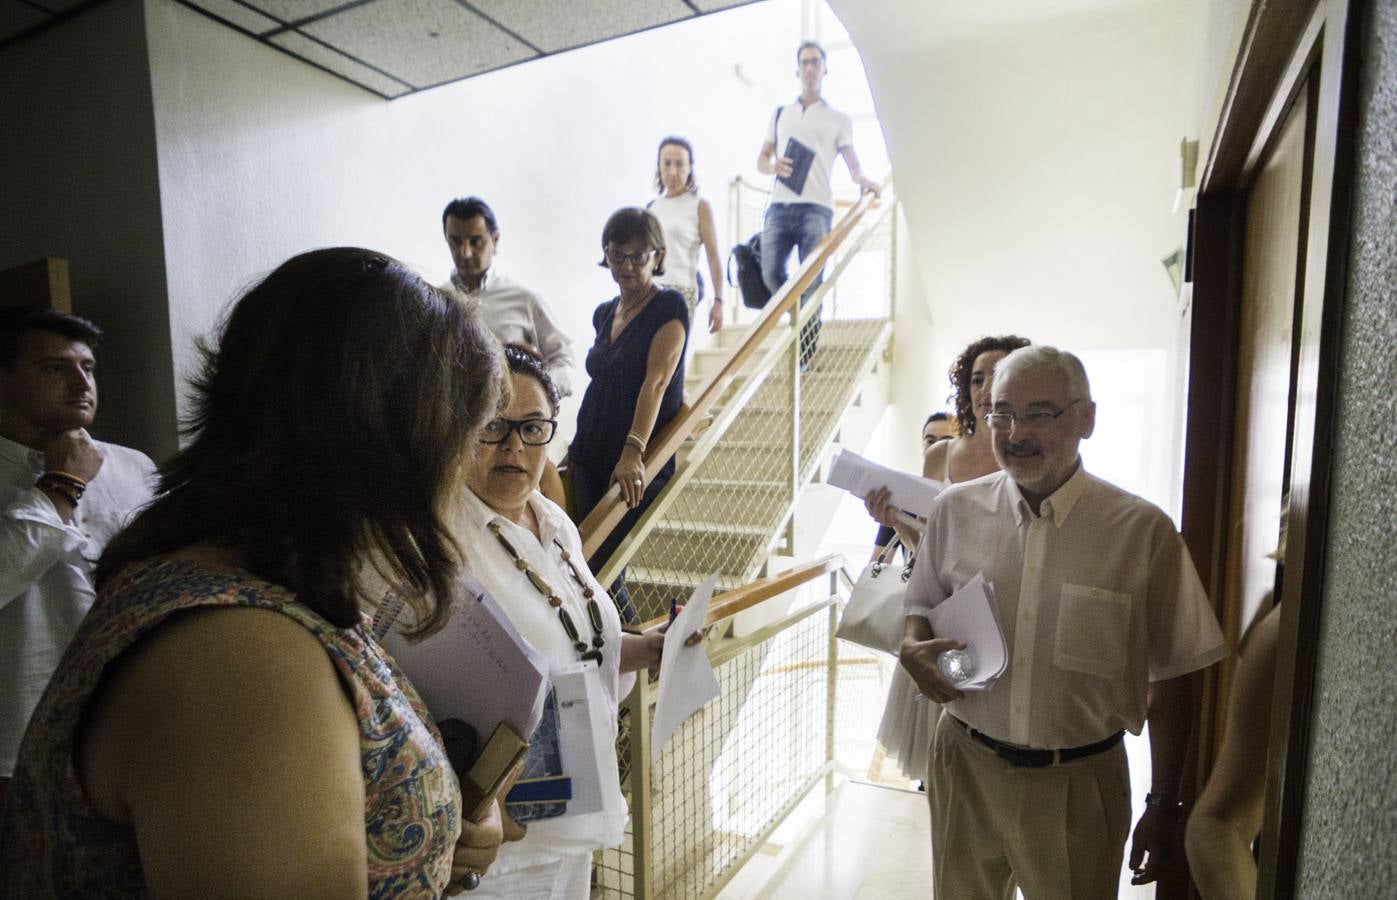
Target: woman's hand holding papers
{"points": [[643, 651], [880, 507]]}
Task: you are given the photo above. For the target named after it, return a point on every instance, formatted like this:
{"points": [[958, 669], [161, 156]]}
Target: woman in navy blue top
{"points": [[637, 371]]}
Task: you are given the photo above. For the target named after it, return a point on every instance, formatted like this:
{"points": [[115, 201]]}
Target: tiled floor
{"points": [[863, 842]]}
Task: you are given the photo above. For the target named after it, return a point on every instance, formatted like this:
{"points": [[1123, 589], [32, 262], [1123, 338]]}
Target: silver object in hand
{"points": [[957, 666]]}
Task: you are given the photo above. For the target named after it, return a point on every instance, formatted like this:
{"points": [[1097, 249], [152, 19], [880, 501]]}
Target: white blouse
{"points": [[529, 611]]}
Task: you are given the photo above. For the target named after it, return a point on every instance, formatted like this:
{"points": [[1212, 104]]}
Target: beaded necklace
{"points": [[569, 626]]}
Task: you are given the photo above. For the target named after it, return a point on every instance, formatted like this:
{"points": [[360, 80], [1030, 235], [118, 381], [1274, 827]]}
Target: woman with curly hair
{"points": [[908, 719]]}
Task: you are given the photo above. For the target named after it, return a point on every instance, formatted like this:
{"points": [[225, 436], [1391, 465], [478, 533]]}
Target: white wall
{"points": [[262, 157], [1036, 152], [77, 165]]}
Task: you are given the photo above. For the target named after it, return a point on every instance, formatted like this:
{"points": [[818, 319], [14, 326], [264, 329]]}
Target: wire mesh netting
{"points": [[733, 770]]}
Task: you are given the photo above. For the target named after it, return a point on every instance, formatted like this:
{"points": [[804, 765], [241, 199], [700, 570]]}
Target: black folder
{"points": [[801, 158]]}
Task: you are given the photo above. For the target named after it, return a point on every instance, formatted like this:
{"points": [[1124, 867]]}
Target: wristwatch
{"points": [[1169, 806]]}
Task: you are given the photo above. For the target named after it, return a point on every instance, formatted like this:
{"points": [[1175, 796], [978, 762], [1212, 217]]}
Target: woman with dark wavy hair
{"points": [[224, 724], [909, 719]]}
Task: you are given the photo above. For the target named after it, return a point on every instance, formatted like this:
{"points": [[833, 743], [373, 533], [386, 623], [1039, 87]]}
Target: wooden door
{"points": [[43, 282], [1272, 267], [1269, 239]]}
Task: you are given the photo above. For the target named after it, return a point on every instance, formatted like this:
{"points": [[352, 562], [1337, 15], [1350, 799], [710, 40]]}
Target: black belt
{"points": [[1025, 758]]}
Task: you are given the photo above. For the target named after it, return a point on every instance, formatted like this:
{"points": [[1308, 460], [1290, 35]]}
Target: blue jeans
{"points": [[800, 226]]}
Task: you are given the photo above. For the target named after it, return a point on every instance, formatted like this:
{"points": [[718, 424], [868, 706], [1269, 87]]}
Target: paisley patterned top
{"points": [[54, 844]]}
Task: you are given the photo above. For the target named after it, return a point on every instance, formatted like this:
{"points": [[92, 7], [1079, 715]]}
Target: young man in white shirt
{"points": [[513, 313], [1104, 619], [801, 218], [63, 495]]}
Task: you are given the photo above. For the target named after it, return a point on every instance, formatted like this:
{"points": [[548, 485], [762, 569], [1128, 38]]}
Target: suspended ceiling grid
{"points": [[397, 47]]}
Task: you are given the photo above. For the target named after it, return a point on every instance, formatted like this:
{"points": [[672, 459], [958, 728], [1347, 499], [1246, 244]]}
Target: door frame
{"points": [[1284, 45]]}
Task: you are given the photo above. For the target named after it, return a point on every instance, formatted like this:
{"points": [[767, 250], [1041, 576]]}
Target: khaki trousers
{"points": [[1057, 833]]}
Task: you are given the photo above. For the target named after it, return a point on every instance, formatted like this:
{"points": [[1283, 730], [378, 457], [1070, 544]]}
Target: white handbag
{"points": [[873, 616]]}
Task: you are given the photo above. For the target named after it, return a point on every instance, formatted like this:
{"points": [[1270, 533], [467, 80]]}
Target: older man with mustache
{"points": [[1104, 617]]}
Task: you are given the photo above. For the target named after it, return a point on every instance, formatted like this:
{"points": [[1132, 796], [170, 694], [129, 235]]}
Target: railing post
{"points": [[795, 432], [831, 674], [642, 824]]}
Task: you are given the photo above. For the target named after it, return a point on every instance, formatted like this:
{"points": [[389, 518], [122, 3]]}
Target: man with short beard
{"points": [[1104, 618], [514, 313], [62, 497]]}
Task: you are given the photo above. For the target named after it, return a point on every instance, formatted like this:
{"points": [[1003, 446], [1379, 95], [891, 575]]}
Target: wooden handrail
{"points": [[609, 511], [749, 595]]}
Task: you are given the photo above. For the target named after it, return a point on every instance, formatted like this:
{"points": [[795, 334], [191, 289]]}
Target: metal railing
{"points": [[771, 408], [734, 770]]}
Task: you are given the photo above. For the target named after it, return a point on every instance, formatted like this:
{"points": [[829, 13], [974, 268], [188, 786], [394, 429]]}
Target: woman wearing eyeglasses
{"points": [[637, 369], [525, 551]]}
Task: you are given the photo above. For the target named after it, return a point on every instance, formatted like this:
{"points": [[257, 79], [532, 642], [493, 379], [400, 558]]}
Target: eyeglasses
{"points": [[534, 432], [638, 259], [1004, 421]]}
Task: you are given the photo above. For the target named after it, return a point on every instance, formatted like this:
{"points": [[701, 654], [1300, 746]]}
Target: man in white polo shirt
{"points": [[801, 210], [802, 207], [1104, 618]]}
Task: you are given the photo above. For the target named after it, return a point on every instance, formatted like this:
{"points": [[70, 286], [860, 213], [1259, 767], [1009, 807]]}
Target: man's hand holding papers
{"points": [[966, 620]]}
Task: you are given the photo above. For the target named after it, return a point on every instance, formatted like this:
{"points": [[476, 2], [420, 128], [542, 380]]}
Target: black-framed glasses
{"points": [[534, 432], [1004, 421], [639, 258]]}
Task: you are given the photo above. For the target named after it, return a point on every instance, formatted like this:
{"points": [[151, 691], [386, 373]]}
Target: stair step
{"points": [[700, 527], [690, 579], [738, 483]]}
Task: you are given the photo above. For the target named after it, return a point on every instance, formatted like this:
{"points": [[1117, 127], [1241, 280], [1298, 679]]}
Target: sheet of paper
{"points": [[478, 668], [970, 616], [687, 681], [858, 476]]}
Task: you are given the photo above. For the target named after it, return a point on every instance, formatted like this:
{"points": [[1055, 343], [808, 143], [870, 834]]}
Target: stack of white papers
{"points": [[687, 681], [478, 668], [859, 476], [969, 616]]}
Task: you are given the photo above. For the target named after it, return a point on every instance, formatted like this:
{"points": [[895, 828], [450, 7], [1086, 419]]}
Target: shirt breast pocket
{"points": [[1093, 631]]}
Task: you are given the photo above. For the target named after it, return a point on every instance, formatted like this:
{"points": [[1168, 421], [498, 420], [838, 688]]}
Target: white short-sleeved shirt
{"points": [[1097, 597], [514, 314], [823, 129], [46, 567]]}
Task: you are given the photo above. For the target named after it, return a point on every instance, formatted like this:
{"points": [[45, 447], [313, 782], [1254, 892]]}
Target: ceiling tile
{"points": [[552, 26], [338, 63], [59, 6], [424, 42], [713, 5], [235, 13], [295, 10], [17, 17]]}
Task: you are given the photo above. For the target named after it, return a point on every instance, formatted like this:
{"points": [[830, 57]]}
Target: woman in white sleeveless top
{"points": [[687, 220]]}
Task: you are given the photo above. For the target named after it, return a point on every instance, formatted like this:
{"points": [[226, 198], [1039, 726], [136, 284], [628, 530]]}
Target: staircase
{"points": [[736, 487]]}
